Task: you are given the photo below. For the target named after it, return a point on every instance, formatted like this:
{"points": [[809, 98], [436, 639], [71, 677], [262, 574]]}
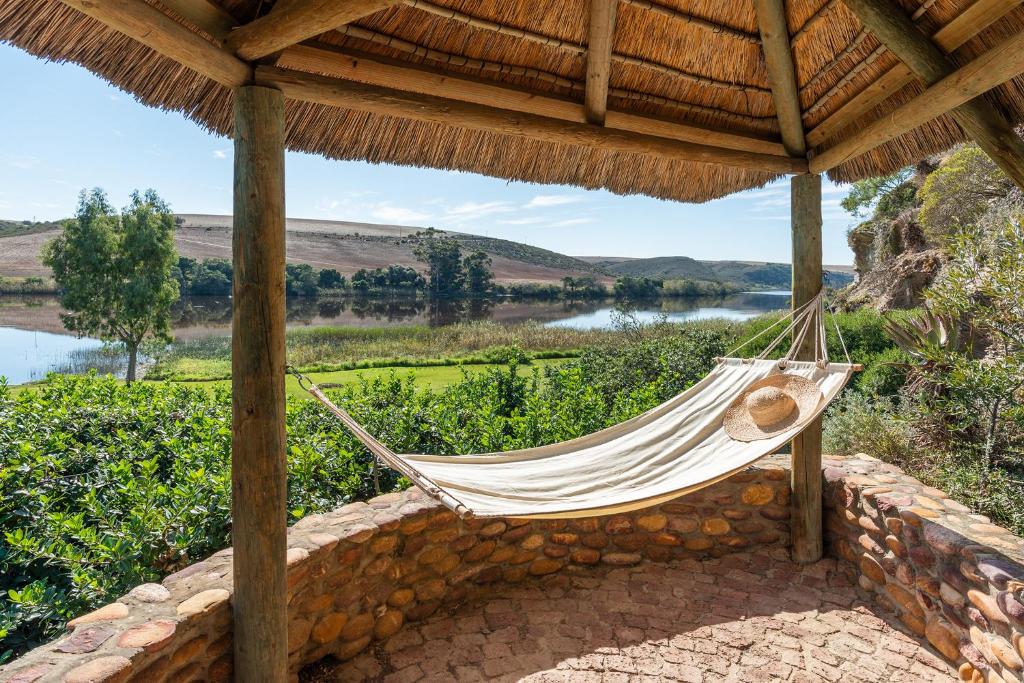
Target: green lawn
{"points": [[431, 377]]}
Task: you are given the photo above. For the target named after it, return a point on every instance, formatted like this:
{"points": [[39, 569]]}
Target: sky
{"points": [[67, 129]]}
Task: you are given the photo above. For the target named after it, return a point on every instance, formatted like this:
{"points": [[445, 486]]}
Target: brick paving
{"points": [[746, 617]]}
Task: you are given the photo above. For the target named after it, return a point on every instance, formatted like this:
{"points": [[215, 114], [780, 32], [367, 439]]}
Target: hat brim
{"points": [[740, 425]]}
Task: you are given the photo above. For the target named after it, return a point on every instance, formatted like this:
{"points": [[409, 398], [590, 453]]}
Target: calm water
{"points": [[33, 340]]}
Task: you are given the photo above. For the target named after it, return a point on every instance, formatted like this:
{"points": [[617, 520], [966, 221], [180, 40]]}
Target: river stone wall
{"points": [[357, 574], [950, 576]]}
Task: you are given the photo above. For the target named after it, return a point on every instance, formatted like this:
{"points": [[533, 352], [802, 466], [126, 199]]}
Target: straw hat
{"points": [[771, 406]]}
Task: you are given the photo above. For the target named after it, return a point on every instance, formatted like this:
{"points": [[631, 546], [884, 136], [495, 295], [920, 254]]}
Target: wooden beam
{"points": [[299, 20], [805, 476], [154, 29], [599, 58], [418, 107], [259, 471], [204, 14], [979, 119], [377, 70], [963, 85], [965, 26], [778, 56]]}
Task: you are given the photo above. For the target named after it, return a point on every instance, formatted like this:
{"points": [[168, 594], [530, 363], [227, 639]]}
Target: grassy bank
{"points": [[333, 349]]}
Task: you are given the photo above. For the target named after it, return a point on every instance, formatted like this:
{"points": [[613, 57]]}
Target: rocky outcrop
{"points": [[894, 264]]}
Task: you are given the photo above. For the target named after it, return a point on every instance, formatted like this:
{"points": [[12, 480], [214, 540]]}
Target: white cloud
{"points": [[571, 221], [531, 220], [397, 214], [470, 211], [545, 200], [220, 154]]}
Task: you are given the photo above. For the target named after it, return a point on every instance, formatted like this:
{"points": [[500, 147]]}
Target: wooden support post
{"points": [[979, 119], [805, 481], [258, 465], [599, 58], [778, 57]]}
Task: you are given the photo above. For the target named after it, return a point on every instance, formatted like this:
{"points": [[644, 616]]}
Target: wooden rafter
{"points": [[377, 70], [979, 119], [771, 20], [206, 15], [299, 20], [154, 29], [962, 28], [430, 108], [600, 34], [969, 81]]}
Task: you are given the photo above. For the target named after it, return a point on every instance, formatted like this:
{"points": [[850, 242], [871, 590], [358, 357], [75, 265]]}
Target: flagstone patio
{"points": [[745, 617]]}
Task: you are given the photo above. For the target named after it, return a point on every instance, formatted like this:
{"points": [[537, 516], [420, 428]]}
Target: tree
{"points": [[331, 279], [114, 270], [445, 273], [479, 276], [882, 196], [301, 280]]}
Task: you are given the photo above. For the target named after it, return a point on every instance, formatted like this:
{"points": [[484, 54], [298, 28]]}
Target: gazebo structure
{"points": [[685, 100]]}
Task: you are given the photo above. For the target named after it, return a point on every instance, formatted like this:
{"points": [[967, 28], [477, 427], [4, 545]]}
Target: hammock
{"points": [[672, 449]]}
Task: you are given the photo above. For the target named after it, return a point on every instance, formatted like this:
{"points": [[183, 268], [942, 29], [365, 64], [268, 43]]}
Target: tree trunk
{"points": [[133, 360]]}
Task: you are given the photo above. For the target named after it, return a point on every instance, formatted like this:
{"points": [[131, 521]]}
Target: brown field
{"points": [[322, 244]]}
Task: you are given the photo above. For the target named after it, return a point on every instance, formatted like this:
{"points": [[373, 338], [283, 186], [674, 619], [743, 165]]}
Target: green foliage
{"points": [[107, 485], [583, 287], [856, 423], [960, 192], [886, 373], [301, 280], [114, 270], [390, 279], [630, 287], [479, 277], [446, 274], [331, 279], [882, 196]]}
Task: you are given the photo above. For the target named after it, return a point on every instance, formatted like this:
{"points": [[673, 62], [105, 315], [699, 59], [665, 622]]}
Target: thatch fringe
{"points": [[696, 62]]}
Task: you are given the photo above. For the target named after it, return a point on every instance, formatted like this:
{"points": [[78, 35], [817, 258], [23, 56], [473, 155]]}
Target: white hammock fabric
{"points": [[675, 448]]}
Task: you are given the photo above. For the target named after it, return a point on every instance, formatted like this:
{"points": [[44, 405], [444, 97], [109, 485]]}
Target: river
{"points": [[33, 340]]}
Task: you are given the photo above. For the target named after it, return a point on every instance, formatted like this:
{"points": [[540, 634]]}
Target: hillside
{"points": [[322, 244], [748, 274], [350, 246]]}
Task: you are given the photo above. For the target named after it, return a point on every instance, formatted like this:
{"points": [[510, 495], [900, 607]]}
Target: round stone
{"points": [[757, 494], [203, 602], [388, 624], [652, 522], [715, 526], [150, 636], [149, 592], [98, 670], [621, 559], [544, 565], [329, 627], [112, 612], [870, 567], [85, 640], [942, 637], [358, 627]]}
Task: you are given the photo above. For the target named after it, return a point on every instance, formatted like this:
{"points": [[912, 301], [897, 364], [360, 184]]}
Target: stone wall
{"points": [[357, 574], [950, 576]]}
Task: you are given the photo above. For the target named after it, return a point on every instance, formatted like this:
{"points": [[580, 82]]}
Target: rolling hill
{"points": [[350, 246], [747, 274], [322, 244]]}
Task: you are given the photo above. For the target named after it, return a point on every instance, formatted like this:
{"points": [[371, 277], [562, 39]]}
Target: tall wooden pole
{"points": [[979, 119], [805, 205], [258, 465]]}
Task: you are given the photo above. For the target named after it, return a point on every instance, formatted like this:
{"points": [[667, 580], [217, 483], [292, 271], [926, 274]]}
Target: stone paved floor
{"points": [[747, 617]]}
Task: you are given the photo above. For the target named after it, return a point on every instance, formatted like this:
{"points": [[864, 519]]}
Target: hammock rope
{"points": [[669, 450]]}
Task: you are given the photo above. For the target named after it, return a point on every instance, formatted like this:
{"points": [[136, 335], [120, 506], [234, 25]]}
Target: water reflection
{"points": [[33, 339]]}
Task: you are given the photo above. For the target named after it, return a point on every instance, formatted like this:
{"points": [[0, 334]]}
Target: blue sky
{"points": [[67, 129]]}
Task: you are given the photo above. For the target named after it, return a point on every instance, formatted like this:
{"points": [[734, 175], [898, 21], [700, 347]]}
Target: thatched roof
{"points": [[697, 64]]}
